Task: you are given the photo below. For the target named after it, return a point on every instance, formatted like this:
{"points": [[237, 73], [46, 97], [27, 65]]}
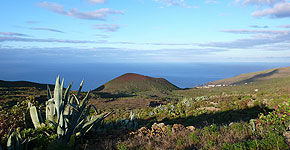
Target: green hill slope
{"points": [[254, 77], [9, 84], [131, 82]]}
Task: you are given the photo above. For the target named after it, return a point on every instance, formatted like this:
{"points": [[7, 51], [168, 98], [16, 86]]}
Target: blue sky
{"points": [[146, 31]]}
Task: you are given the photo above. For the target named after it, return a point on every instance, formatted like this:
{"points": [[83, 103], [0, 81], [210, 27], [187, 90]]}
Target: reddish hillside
{"points": [[132, 82]]}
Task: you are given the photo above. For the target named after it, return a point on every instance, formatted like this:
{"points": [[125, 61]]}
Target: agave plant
{"points": [[70, 115], [131, 123], [16, 142]]}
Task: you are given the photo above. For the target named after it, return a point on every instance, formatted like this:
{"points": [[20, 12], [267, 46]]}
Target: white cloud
{"points": [[12, 34], [102, 36], [260, 2], [211, 2], [97, 1], [107, 27], [284, 26], [259, 38], [99, 14], [280, 10], [47, 29], [180, 3], [246, 31], [18, 39], [257, 26]]}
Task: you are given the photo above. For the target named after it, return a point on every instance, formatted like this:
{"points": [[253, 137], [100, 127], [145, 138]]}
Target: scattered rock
{"points": [[287, 136], [213, 103], [209, 108], [142, 131], [177, 128], [190, 128], [156, 126], [158, 129], [161, 130], [250, 103]]}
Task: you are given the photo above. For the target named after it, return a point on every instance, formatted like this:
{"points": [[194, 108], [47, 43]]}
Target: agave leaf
{"points": [[34, 116], [11, 141], [77, 115], [81, 110], [52, 123], [108, 114], [84, 101], [61, 96], [132, 116], [71, 101], [88, 126], [94, 118], [76, 118], [77, 100], [60, 130], [79, 125], [57, 97], [40, 116], [52, 110], [66, 94], [66, 124], [73, 106], [49, 93], [17, 141], [66, 110], [80, 89], [96, 111], [85, 115], [66, 116], [50, 100]]}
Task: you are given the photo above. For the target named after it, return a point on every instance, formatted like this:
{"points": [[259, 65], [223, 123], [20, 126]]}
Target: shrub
{"points": [[278, 120]]}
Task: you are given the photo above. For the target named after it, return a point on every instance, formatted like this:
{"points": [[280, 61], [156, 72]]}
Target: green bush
{"points": [[121, 146], [271, 141]]}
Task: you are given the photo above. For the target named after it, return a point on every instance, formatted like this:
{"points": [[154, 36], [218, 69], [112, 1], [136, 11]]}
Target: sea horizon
{"points": [[183, 75]]}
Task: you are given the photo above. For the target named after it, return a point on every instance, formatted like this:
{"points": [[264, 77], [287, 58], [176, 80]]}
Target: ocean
{"points": [[184, 75]]}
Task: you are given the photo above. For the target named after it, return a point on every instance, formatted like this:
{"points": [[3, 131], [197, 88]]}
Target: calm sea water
{"points": [[184, 75]]}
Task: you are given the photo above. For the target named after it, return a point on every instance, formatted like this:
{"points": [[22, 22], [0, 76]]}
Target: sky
{"points": [[144, 31]]}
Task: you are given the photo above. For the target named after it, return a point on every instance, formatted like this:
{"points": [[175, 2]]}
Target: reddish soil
{"points": [[133, 76]]}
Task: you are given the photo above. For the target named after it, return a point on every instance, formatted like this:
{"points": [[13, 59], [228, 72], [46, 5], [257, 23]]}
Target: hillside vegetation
{"points": [[254, 77], [9, 84]]}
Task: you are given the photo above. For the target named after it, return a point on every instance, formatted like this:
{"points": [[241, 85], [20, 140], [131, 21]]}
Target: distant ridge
{"points": [[24, 84], [132, 82], [254, 77]]}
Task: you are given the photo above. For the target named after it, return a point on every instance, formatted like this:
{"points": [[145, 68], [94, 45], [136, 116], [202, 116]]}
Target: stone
{"points": [[287, 136], [177, 128], [156, 126], [190, 128]]}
